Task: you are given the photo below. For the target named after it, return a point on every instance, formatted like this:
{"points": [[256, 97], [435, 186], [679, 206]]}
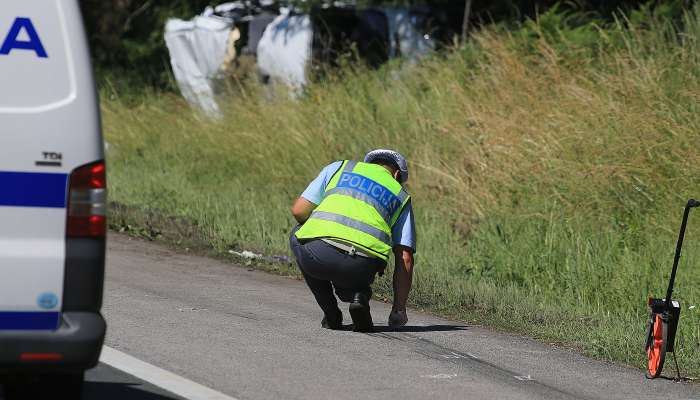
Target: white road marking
{"points": [[452, 354], [159, 377], [524, 378], [440, 376]]}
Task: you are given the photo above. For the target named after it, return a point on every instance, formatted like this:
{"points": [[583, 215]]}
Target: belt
{"points": [[348, 248]]}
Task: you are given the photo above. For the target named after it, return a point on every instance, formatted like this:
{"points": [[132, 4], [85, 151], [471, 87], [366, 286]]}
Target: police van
{"points": [[52, 199]]}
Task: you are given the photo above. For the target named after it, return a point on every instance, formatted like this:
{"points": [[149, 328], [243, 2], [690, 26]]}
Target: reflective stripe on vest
{"points": [[359, 225]]}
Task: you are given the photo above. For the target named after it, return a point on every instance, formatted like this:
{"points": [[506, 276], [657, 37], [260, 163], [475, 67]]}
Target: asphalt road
{"points": [[106, 383], [251, 335]]}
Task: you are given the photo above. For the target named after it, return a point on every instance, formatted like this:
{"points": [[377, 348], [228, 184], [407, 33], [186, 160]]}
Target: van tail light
{"points": [[87, 202], [41, 357]]}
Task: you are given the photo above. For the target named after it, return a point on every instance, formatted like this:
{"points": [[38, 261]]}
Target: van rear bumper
{"points": [[78, 340]]}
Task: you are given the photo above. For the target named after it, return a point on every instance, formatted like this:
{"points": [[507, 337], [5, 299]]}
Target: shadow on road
{"points": [[421, 328], [119, 391], [414, 328], [108, 391], [676, 378]]}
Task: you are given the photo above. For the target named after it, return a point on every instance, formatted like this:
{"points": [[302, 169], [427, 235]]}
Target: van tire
{"points": [[67, 386]]}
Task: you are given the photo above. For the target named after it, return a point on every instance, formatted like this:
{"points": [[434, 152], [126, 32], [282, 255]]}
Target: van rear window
{"points": [[35, 61]]}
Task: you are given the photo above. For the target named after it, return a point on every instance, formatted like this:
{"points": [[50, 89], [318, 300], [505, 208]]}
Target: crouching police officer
{"points": [[352, 216]]}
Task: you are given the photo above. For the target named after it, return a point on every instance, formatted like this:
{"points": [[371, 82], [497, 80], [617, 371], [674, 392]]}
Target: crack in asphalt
{"points": [[438, 352]]}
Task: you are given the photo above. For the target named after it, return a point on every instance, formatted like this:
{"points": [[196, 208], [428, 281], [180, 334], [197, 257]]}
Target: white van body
{"points": [[51, 285]]}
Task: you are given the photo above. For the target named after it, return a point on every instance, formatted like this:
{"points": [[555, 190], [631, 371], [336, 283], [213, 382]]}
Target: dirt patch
{"points": [[185, 236]]}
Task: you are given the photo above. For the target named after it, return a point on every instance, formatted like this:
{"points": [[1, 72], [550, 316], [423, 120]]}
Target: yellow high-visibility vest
{"points": [[361, 204]]}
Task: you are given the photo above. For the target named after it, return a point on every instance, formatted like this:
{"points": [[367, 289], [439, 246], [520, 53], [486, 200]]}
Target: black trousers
{"points": [[326, 267]]}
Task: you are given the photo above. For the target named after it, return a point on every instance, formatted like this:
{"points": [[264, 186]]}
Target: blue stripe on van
{"points": [[21, 320], [33, 189]]}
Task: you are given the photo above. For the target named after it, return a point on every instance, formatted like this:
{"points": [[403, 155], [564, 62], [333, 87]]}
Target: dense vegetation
{"points": [[127, 35], [550, 164]]}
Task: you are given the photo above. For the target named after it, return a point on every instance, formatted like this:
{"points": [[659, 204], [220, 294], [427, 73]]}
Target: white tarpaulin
{"points": [[285, 49], [197, 51], [200, 48]]}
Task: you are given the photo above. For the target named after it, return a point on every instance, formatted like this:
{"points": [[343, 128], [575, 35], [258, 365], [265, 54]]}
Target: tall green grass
{"points": [[549, 170]]}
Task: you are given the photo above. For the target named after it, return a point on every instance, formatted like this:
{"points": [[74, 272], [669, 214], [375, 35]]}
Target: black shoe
{"points": [[335, 322], [359, 311]]}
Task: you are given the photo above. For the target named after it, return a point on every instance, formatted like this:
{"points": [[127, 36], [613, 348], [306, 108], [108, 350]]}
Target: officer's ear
{"points": [[397, 175]]}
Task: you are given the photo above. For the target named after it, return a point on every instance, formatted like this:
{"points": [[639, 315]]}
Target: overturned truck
{"points": [[288, 46]]}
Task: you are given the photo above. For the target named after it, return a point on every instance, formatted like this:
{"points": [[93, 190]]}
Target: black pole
{"points": [[465, 21], [679, 245]]}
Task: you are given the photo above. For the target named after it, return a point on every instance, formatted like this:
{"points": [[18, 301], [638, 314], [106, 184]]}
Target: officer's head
{"points": [[394, 162]]}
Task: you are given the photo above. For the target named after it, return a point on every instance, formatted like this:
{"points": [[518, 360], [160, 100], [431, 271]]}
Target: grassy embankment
{"points": [[549, 171]]}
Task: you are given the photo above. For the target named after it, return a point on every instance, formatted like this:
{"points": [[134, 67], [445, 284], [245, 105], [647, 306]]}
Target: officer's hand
{"points": [[397, 318]]}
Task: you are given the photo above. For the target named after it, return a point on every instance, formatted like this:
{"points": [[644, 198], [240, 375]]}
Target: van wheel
{"points": [[67, 386]]}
